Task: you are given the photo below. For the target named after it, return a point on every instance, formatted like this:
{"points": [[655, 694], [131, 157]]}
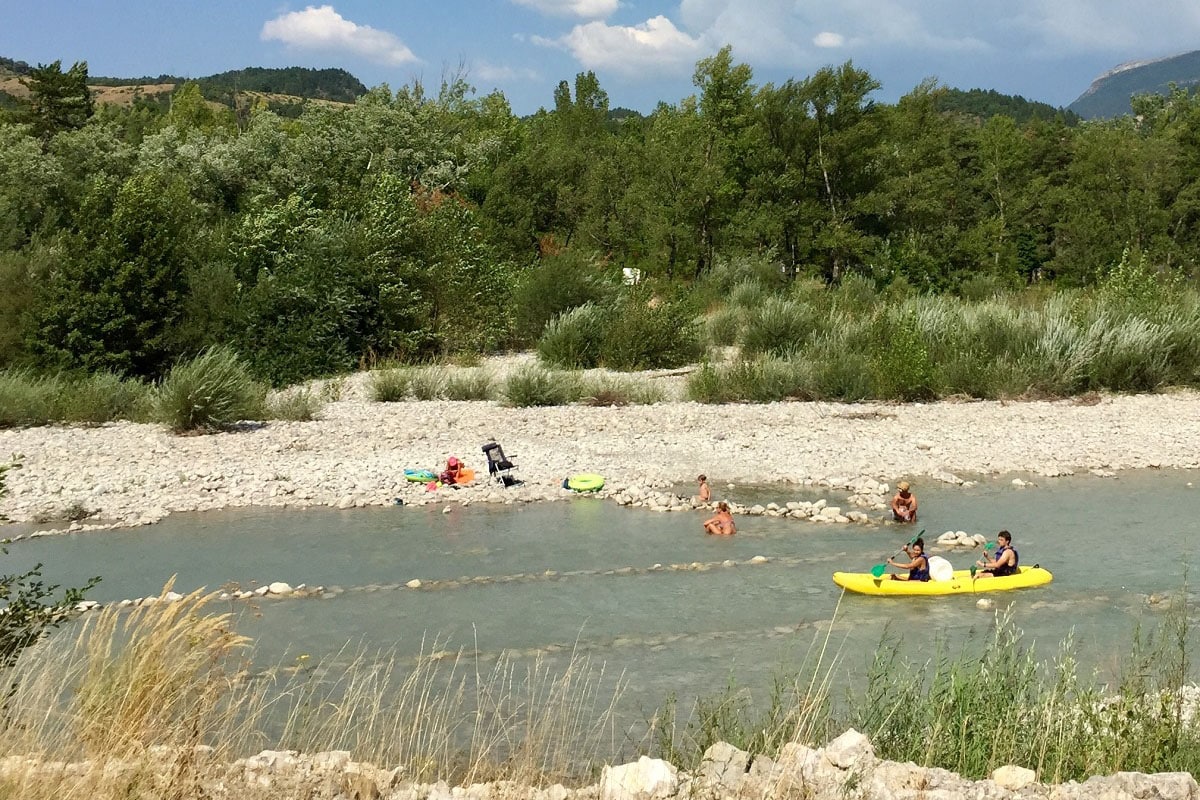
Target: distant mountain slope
{"points": [[1109, 95], [285, 90], [985, 103]]}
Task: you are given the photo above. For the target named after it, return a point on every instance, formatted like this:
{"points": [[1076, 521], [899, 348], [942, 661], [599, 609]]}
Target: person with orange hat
{"points": [[904, 504]]}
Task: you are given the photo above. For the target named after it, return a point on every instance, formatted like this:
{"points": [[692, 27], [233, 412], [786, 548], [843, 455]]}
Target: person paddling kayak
{"points": [[1005, 561], [918, 565]]}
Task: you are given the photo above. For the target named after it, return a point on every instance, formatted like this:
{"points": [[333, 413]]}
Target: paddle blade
{"points": [[973, 568], [878, 570]]}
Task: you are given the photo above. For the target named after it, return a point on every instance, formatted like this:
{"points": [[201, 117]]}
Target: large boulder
{"points": [[644, 779]]}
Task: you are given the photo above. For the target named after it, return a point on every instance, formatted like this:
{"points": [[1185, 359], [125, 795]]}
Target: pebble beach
{"points": [[355, 453]]}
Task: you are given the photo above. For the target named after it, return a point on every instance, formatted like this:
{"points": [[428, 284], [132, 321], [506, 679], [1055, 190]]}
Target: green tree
{"points": [[58, 100], [113, 302]]}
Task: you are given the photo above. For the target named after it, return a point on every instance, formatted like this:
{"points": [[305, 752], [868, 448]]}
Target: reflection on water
{"points": [[648, 594]]}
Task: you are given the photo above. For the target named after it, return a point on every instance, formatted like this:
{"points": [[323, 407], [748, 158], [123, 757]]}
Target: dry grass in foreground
{"points": [[147, 692]]}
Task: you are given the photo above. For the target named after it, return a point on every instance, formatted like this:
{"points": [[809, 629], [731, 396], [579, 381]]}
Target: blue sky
{"points": [[642, 50]]}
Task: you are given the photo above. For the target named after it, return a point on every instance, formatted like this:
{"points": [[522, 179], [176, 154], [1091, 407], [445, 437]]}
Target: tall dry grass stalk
{"points": [[157, 701]]}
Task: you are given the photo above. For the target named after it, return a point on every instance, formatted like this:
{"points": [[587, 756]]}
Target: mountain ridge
{"points": [[1110, 93]]}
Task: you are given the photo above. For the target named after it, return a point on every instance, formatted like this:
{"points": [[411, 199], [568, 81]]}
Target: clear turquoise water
{"points": [[1110, 543]]}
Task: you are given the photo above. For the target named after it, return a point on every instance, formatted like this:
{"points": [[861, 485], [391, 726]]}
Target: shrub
{"points": [[707, 385], [612, 391], [428, 383], [722, 327], [209, 392], [28, 399], [572, 339], [553, 287], [536, 386], [474, 384], [297, 404], [389, 385], [778, 327], [649, 335], [904, 366], [104, 397]]}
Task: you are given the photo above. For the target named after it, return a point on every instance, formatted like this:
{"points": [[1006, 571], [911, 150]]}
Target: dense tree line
{"points": [[410, 224]]}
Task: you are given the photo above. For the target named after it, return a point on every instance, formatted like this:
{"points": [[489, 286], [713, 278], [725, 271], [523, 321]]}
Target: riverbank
{"points": [[845, 767], [122, 474]]}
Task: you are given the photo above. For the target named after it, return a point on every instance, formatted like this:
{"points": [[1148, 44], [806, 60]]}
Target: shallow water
{"points": [[1111, 544]]}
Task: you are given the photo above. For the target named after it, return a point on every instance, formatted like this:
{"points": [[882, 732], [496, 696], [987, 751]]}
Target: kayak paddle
{"points": [[986, 547], [878, 570]]}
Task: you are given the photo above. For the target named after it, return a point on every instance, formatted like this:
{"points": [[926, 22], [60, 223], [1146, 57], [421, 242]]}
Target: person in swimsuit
{"points": [[704, 495], [1005, 561], [918, 564], [904, 504], [722, 524], [453, 470]]}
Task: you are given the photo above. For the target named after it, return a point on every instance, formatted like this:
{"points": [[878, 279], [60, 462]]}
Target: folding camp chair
{"points": [[499, 467]]}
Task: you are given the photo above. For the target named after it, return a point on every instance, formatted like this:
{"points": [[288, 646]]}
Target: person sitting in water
{"points": [[722, 524], [453, 470], [1005, 561], [704, 495], [904, 504], [918, 565]]}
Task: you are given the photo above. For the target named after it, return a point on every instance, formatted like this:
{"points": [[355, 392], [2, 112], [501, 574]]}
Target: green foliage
{"points": [[536, 386], [428, 383], [944, 713], [904, 364], [573, 339], [1131, 287], [551, 288], [296, 404], [650, 334], [112, 304], [209, 392], [32, 610], [27, 398], [469, 384], [989, 103], [733, 716], [58, 100], [607, 390], [766, 379], [389, 385], [777, 326]]}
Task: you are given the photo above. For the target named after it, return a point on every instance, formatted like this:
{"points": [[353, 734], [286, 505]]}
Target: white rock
{"points": [[645, 779], [1012, 777], [279, 587], [849, 750], [414, 584]]}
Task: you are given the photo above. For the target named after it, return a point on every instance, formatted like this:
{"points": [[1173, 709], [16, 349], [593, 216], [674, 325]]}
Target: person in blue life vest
{"points": [[1005, 561], [918, 564]]}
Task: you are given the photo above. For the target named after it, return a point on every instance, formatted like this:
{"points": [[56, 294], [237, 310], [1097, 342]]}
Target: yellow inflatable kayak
{"points": [[961, 583]]}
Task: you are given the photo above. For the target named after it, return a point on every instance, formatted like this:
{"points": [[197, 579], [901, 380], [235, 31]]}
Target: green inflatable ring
{"points": [[585, 482], [419, 475]]}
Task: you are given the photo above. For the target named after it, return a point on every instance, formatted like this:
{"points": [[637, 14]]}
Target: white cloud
{"points": [[588, 9], [656, 45], [829, 39], [323, 28]]}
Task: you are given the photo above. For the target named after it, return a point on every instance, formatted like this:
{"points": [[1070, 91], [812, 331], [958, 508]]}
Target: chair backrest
{"points": [[495, 457]]}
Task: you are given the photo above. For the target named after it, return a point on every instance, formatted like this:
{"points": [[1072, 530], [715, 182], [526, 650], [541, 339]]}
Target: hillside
{"points": [[284, 90], [1109, 95], [985, 103]]}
